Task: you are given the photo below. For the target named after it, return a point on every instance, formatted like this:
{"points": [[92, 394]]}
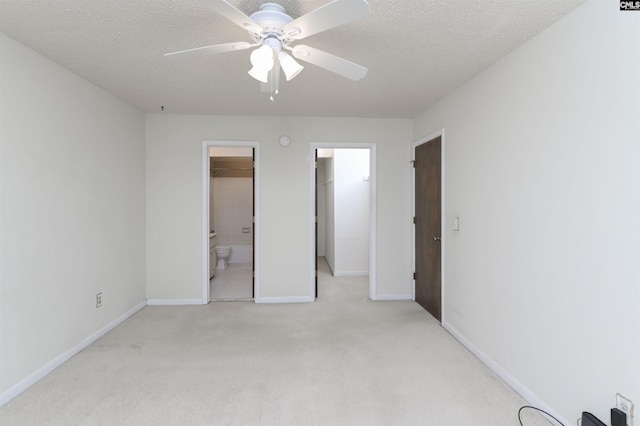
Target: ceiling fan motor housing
{"points": [[271, 17]]}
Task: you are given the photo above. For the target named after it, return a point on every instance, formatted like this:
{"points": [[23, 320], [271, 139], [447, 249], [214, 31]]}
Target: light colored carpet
{"points": [[343, 360]]}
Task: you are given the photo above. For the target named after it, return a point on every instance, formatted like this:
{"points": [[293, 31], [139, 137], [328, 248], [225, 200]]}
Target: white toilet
{"points": [[222, 253]]}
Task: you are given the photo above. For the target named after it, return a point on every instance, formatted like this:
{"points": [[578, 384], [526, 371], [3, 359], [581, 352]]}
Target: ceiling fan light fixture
{"points": [[262, 57], [262, 61], [273, 29], [290, 67], [260, 74]]}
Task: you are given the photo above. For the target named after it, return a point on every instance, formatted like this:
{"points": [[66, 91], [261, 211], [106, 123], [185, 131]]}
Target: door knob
{"points": [[436, 238]]}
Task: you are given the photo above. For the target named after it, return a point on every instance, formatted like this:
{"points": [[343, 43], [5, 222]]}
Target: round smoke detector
{"points": [[285, 141]]}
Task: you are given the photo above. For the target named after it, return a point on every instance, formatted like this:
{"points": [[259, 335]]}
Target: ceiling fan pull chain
{"points": [[275, 77], [277, 67]]}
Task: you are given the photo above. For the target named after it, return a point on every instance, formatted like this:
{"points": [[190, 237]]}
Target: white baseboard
{"points": [[351, 273], [516, 385], [47, 368], [385, 297], [330, 266], [173, 302], [302, 299]]}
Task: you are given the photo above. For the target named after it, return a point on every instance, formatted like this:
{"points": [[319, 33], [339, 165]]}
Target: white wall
{"points": [[351, 211], [212, 216], [174, 210], [322, 205], [233, 210], [72, 211], [542, 166], [330, 228]]}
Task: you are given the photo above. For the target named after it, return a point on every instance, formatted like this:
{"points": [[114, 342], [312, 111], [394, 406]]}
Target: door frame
{"points": [[206, 172], [313, 146], [439, 133]]}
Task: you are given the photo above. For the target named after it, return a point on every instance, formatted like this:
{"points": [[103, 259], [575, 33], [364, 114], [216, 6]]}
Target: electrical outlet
{"points": [[98, 300], [626, 406]]}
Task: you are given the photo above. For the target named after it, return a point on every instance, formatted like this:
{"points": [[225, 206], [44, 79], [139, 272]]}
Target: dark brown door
{"points": [[427, 226]]}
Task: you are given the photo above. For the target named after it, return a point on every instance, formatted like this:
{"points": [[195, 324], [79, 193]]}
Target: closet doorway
{"points": [[343, 212]]}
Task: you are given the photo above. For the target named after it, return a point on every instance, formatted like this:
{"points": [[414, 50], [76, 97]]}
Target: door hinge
{"points": [[413, 163], [414, 220], [253, 219], [316, 164], [414, 275]]}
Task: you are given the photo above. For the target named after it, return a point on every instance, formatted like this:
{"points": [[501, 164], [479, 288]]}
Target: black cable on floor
{"points": [[536, 408]]}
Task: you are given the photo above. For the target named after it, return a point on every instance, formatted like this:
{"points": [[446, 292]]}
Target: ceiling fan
{"points": [[274, 31]]}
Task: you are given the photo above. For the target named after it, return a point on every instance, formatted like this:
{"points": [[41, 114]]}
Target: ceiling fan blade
{"points": [[233, 14], [215, 48], [331, 15], [329, 62]]}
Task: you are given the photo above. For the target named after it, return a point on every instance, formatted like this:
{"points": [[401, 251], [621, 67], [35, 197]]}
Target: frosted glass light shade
{"points": [[290, 67], [262, 61], [260, 74]]}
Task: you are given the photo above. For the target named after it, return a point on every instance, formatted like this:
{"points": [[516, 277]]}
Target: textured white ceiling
{"points": [[417, 51]]}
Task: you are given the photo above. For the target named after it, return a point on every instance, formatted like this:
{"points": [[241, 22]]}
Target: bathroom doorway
{"points": [[343, 215], [231, 221]]}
